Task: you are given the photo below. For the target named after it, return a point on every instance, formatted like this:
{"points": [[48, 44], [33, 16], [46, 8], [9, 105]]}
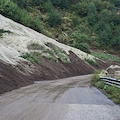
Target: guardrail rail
{"points": [[111, 81]]}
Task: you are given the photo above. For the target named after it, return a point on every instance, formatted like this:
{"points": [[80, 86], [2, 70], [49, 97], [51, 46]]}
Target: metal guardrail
{"points": [[111, 81]]}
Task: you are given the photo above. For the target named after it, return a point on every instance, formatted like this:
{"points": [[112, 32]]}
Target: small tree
{"points": [[91, 18], [54, 19], [3, 3], [60, 3], [21, 3], [81, 9], [75, 21], [48, 7]]}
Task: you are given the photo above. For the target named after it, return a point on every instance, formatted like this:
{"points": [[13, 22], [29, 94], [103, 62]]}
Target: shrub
{"points": [[116, 2], [54, 19], [48, 7], [91, 18], [92, 62], [78, 37], [75, 21], [56, 51], [3, 3], [30, 57], [37, 2], [94, 79], [82, 46], [100, 84], [81, 9], [4, 31], [12, 11], [111, 91], [106, 57], [21, 3], [61, 3]]}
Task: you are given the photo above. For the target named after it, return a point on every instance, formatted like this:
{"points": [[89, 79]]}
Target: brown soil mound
{"points": [[105, 64], [13, 77]]}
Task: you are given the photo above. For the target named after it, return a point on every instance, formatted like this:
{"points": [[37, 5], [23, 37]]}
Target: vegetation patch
{"points": [[30, 57], [4, 31], [56, 51], [92, 62], [53, 52], [106, 57], [96, 23], [111, 92], [35, 46]]}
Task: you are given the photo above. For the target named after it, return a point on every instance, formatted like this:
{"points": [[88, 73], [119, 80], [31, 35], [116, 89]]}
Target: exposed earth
{"points": [[15, 76]]}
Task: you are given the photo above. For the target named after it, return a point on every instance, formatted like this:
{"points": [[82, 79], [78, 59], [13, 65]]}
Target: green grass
{"points": [[35, 46], [30, 57], [92, 62], [4, 31], [106, 57], [111, 92], [56, 51], [53, 52]]}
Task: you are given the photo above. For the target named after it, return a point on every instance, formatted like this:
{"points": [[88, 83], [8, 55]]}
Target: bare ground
{"points": [[25, 73]]}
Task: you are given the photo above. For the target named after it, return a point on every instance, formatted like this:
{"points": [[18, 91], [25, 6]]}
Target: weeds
{"points": [[111, 92], [35, 46], [30, 57], [56, 51], [52, 53], [4, 31], [106, 57], [92, 62]]}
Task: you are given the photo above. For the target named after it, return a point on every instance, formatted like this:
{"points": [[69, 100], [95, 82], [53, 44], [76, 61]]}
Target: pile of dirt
{"points": [[16, 76]]}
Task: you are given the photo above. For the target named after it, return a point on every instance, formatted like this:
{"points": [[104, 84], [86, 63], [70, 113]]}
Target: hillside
{"points": [[59, 46], [87, 25], [27, 56]]}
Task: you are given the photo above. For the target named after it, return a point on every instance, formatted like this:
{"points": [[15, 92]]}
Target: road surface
{"points": [[65, 99]]}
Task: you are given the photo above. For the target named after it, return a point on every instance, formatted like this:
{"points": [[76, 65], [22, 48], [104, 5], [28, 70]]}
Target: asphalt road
{"points": [[65, 99]]}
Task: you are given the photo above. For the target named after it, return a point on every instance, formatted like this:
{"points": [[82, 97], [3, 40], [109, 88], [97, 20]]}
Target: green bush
{"points": [[56, 51], [103, 56], [21, 3], [78, 37], [54, 19], [111, 91], [92, 62], [3, 3], [4, 31], [100, 84], [94, 79], [30, 57], [82, 46], [116, 2], [12, 11], [81, 9], [37, 2], [60, 3], [91, 18], [75, 21], [48, 7]]}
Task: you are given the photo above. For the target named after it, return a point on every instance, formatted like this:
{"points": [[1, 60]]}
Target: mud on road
{"points": [[63, 99]]}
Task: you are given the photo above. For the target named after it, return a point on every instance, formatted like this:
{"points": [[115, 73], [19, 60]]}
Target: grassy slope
{"points": [[111, 92]]}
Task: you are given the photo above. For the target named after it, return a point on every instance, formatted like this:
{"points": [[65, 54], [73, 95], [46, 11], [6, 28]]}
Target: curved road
{"points": [[65, 99]]}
